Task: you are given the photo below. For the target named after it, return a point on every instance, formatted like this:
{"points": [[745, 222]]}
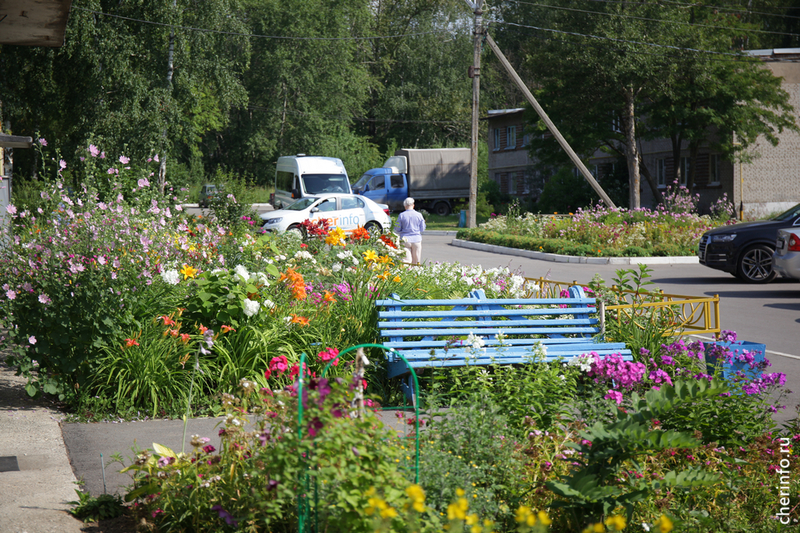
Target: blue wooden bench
{"points": [[432, 333]]}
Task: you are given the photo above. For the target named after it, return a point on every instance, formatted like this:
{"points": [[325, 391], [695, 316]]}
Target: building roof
{"points": [[776, 54], [34, 22], [496, 112]]}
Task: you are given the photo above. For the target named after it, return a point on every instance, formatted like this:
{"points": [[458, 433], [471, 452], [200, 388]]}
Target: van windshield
{"points": [[319, 183]]}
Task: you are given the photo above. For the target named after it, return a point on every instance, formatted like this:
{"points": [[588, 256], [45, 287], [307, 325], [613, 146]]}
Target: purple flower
{"points": [[45, 299], [209, 448], [43, 141], [225, 515], [614, 395], [124, 160], [32, 339], [11, 294], [94, 150]]}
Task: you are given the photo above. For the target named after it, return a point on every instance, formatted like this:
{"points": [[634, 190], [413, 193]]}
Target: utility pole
{"points": [[475, 74], [550, 126]]}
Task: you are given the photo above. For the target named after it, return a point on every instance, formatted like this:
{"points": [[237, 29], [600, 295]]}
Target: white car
{"points": [[345, 211], [786, 259]]}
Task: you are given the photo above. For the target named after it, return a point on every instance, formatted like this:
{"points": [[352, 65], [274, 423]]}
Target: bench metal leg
{"points": [[408, 390]]}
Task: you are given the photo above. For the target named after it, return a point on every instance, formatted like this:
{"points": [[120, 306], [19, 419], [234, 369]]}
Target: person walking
{"points": [[409, 226]]}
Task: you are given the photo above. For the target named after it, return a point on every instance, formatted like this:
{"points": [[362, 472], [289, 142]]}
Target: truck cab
{"points": [[298, 176], [384, 186]]}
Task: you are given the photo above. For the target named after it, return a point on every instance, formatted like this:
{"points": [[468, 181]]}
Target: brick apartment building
{"points": [[770, 183]]}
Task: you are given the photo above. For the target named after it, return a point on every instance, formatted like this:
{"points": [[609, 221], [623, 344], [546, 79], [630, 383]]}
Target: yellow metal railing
{"points": [[686, 315]]}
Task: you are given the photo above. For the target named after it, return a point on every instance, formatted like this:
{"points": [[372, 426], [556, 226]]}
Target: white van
{"points": [[298, 176]]}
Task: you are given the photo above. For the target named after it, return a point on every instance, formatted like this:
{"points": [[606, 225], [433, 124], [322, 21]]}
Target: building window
{"points": [[616, 123], [511, 137], [686, 168], [512, 183], [526, 139], [661, 172], [497, 138], [714, 161]]}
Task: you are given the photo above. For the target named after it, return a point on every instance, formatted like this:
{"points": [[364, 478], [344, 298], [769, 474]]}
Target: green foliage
{"points": [[91, 509], [257, 475], [565, 192], [472, 445], [598, 486], [639, 326]]}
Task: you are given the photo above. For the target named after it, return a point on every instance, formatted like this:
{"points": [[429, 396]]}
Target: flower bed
{"points": [[598, 232], [121, 305]]}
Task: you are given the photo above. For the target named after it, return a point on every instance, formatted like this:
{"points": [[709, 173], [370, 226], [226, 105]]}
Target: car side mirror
{"points": [[315, 209], [295, 193]]}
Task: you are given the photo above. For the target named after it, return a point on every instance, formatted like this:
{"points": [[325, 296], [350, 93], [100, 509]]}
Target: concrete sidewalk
{"points": [[35, 475]]}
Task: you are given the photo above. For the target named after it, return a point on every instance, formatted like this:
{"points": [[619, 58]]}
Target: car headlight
{"points": [[723, 238], [273, 220]]}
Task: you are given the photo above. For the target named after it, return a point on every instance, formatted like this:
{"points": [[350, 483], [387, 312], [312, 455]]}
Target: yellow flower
{"points": [[460, 492], [335, 237], [188, 272], [370, 256], [617, 521], [388, 512], [417, 495], [544, 519], [522, 514], [664, 524], [472, 519], [396, 279]]}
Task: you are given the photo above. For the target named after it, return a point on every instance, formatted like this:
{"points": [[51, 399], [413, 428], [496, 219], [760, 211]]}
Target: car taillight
{"points": [[794, 243], [387, 211]]}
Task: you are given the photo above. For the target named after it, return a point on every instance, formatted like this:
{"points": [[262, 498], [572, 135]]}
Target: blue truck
{"points": [[435, 178]]}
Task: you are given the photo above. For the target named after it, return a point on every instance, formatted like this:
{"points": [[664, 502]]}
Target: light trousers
{"points": [[413, 252]]}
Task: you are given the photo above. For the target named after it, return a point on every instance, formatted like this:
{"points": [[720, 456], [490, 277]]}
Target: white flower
{"points": [[476, 343], [242, 272], [269, 304], [250, 307], [584, 362], [171, 276], [336, 267], [262, 278]]}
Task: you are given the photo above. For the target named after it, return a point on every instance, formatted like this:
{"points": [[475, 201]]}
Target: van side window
{"points": [[396, 181], [378, 182], [283, 180]]}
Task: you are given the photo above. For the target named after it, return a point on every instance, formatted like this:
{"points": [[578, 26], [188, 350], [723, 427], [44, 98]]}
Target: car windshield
{"points": [[789, 215], [302, 203]]}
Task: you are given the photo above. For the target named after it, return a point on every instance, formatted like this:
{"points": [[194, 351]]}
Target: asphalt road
{"points": [[768, 314]]}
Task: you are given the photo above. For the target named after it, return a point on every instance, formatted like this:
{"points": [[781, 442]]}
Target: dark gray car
{"points": [[745, 249]]}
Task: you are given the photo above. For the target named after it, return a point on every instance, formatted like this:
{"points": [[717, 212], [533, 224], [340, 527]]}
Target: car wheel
{"points": [[373, 228], [442, 209], [755, 265], [296, 231]]}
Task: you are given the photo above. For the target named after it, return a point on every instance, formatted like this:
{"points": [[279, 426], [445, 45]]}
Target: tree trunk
{"points": [[676, 161], [632, 150], [651, 181]]}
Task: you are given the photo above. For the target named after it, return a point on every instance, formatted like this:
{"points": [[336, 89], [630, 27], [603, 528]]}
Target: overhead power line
{"points": [[257, 36], [634, 17], [613, 39], [732, 9], [356, 119]]}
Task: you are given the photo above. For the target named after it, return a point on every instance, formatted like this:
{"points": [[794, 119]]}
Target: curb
{"points": [[439, 232], [557, 258]]}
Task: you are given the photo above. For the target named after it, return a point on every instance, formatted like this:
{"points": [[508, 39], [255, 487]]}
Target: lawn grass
{"points": [[445, 223]]}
